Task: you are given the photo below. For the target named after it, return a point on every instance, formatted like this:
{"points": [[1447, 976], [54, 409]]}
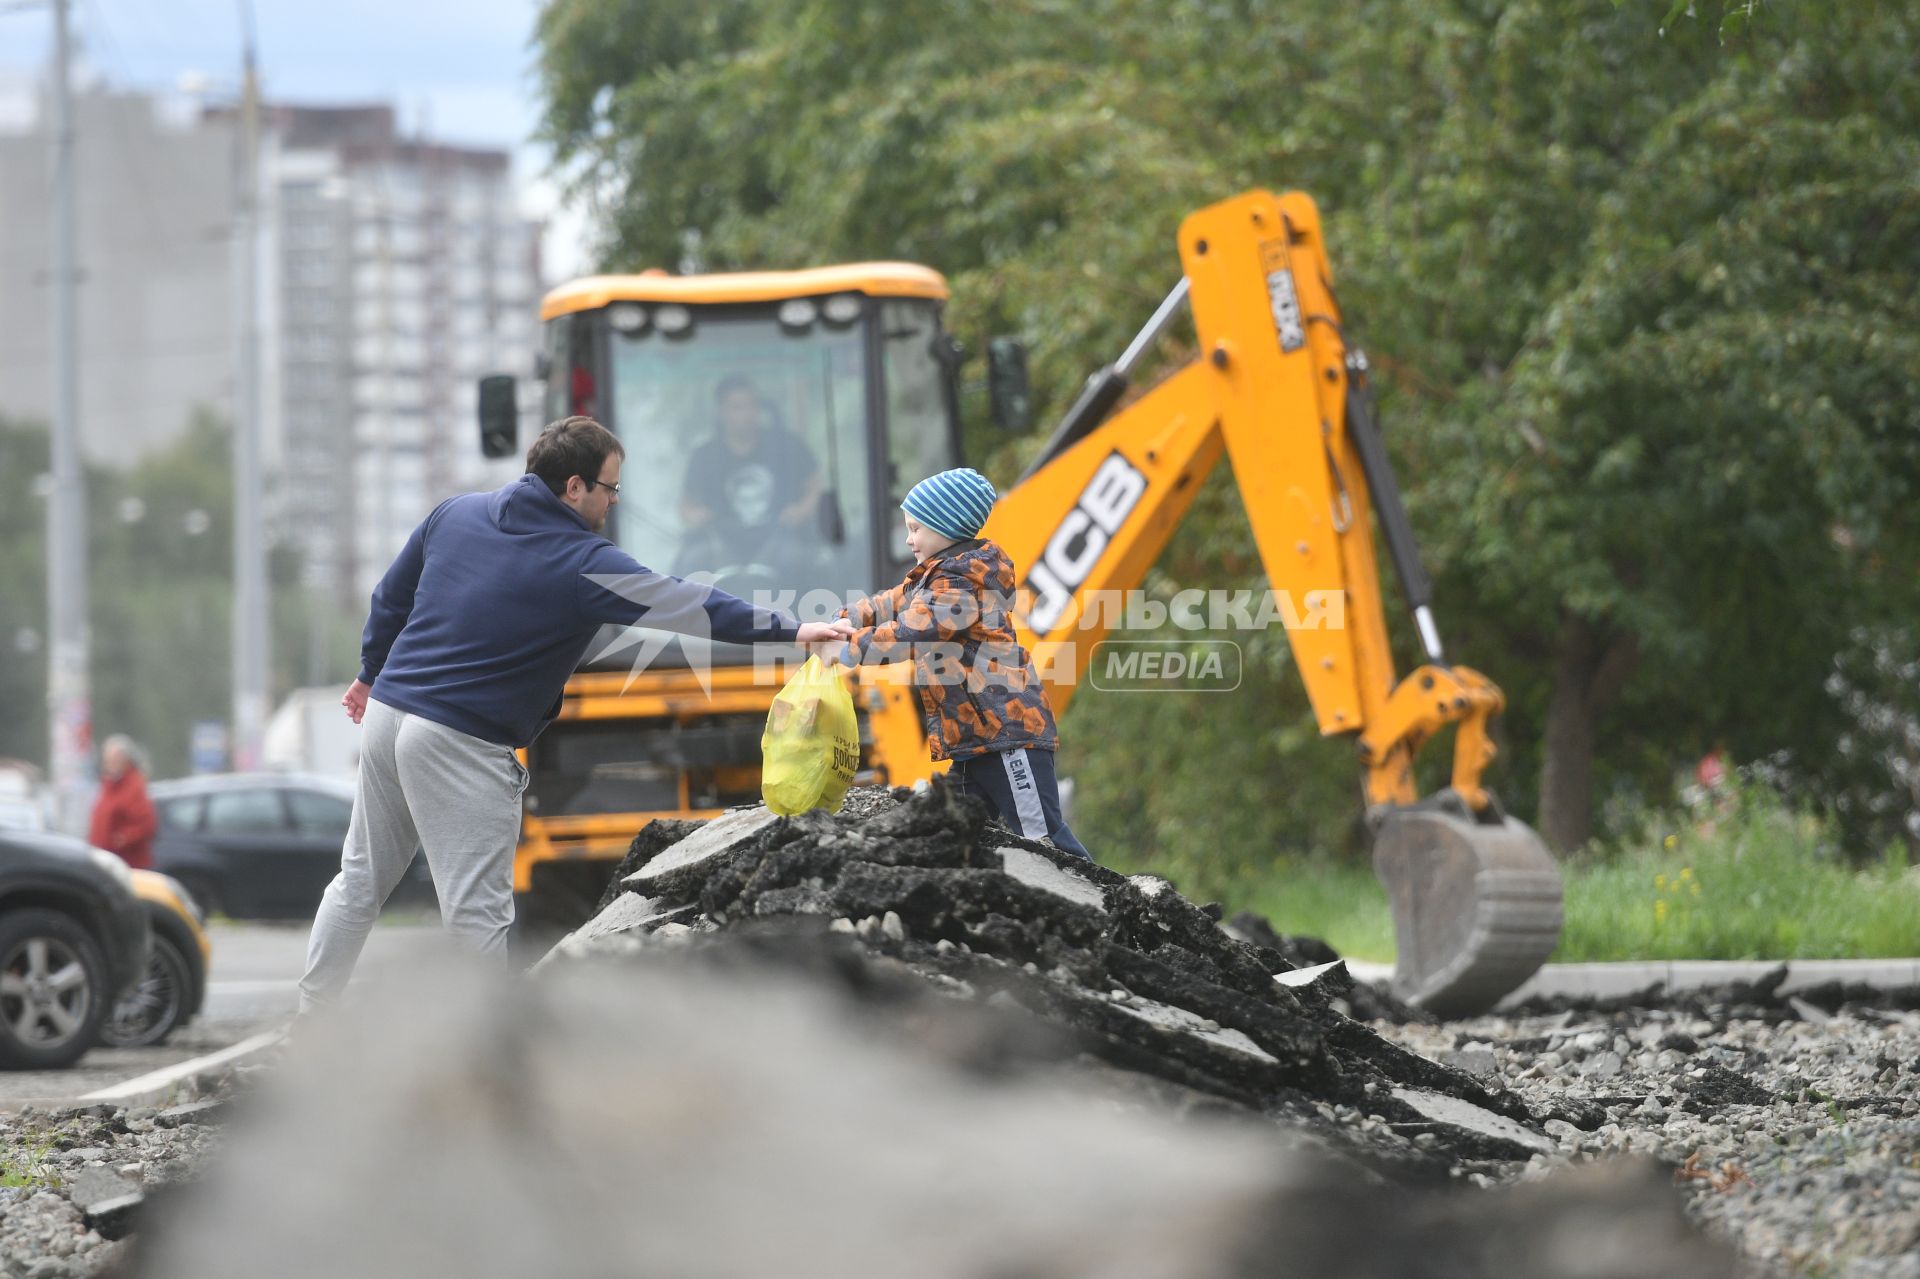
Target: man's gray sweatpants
{"points": [[421, 784]]}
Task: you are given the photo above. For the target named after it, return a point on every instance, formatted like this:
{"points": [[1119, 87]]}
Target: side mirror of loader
{"points": [[1008, 391], [499, 416]]}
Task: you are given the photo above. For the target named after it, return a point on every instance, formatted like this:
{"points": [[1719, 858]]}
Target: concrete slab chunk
{"points": [[1312, 976], [623, 914], [1442, 1109], [1035, 871], [90, 1188], [1808, 1012], [1149, 885], [115, 1218], [1476, 1060], [194, 1112], [1179, 1020], [717, 837], [626, 914]]}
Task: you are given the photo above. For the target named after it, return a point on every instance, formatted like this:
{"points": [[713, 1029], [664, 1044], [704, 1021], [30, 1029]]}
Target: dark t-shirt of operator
{"points": [[746, 492]]}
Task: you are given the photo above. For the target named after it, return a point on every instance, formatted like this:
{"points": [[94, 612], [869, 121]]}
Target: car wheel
{"points": [[156, 1006], [52, 984]]}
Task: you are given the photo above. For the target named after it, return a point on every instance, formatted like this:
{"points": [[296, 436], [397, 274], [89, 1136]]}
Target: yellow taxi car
{"points": [[174, 985]]}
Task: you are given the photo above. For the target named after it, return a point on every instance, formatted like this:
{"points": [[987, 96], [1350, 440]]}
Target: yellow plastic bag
{"points": [[812, 744]]}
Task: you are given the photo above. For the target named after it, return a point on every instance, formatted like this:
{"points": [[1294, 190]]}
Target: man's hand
{"points": [[824, 639], [356, 700], [796, 515]]}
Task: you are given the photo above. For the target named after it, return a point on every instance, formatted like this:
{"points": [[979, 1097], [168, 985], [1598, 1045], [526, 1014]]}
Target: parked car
{"points": [[174, 986], [73, 941], [261, 845]]}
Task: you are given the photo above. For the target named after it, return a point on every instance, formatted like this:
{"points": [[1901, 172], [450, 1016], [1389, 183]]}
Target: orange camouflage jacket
{"points": [[952, 619]]}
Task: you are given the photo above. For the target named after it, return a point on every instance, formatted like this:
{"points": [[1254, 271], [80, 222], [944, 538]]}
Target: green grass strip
{"points": [[1737, 876]]}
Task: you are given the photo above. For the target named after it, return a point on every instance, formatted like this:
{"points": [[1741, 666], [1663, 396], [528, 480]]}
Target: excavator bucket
{"points": [[1476, 905]]}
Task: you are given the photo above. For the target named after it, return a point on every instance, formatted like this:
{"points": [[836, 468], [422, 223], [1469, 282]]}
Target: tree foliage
{"points": [[1637, 299], [23, 594], [160, 551]]}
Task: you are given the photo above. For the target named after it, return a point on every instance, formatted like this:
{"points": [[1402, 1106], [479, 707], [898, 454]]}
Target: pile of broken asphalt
{"points": [[923, 891]]}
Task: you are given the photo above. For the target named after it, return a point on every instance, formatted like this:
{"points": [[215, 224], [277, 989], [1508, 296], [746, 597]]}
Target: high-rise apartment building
{"points": [[406, 273], [394, 272]]}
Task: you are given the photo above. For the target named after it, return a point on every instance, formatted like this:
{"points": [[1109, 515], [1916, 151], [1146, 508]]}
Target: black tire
{"points": [[52, 990], [157, 1006]]}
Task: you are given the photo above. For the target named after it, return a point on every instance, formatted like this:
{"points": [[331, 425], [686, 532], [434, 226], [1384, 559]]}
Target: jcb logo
{"points": [[1076, 546]]}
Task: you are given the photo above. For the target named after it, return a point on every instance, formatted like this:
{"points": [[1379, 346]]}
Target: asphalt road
{"points": [[253, 986]]}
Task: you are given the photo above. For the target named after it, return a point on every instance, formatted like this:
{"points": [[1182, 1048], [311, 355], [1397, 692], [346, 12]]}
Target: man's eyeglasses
{"points": [[611, 488]]}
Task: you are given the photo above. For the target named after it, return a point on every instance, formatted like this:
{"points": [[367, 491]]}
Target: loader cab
{"points": [[772, 421]]}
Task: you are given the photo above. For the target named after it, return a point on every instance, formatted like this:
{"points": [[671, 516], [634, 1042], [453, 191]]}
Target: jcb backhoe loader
{"points": [[848, 373]]}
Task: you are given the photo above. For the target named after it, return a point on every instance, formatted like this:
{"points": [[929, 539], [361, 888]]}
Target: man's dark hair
{"points": [[572, 446], [733, 382]]}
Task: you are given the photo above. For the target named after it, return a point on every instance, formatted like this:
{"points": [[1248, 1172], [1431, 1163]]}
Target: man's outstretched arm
{"points": [[617, 588]]}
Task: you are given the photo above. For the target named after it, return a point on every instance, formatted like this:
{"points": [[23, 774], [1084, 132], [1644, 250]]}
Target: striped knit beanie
{"points": [[953, 503]]}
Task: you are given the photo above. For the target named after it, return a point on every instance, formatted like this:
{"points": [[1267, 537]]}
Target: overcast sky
{"points": [[461, 70]]}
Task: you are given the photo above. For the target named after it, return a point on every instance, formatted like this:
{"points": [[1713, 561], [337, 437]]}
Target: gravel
{"points": [[77, 1176], [1789, 1127], [1793, 1129]]}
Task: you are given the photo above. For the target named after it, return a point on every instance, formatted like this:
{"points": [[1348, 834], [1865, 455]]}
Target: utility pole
{"points": [[69, 704], [249, 539]]}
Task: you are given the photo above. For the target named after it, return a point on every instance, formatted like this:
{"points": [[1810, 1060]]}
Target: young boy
{"points": [[985, 708]]}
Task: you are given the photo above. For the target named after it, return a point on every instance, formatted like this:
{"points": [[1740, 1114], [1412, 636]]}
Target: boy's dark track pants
{"points": [[1021, 787]]}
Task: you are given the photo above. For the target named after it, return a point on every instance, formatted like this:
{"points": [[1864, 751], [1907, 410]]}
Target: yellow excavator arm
{"points": [[1278, 390]]}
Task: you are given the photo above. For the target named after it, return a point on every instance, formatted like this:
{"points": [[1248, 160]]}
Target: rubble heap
{"points": [[665, 1117], [1136, 977]]}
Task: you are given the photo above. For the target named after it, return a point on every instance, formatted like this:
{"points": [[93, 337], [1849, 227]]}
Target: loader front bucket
{"points": [[1476, 905]]}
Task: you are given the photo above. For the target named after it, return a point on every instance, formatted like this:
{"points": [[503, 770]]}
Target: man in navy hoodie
{"points": [[471, 637]]}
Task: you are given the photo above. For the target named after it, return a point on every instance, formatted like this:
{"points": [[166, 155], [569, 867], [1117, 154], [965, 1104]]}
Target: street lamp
{"points": [[249, 539], [69, 699], [250, 604]]}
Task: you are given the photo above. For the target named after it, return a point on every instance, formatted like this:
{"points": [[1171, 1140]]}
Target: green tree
{"points": [[162, 595], [159, 595], [1637, 301], [1696, 438], [24, 457]]}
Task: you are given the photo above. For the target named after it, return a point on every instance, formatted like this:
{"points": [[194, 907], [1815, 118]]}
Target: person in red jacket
{"points": [[123, 816]]}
